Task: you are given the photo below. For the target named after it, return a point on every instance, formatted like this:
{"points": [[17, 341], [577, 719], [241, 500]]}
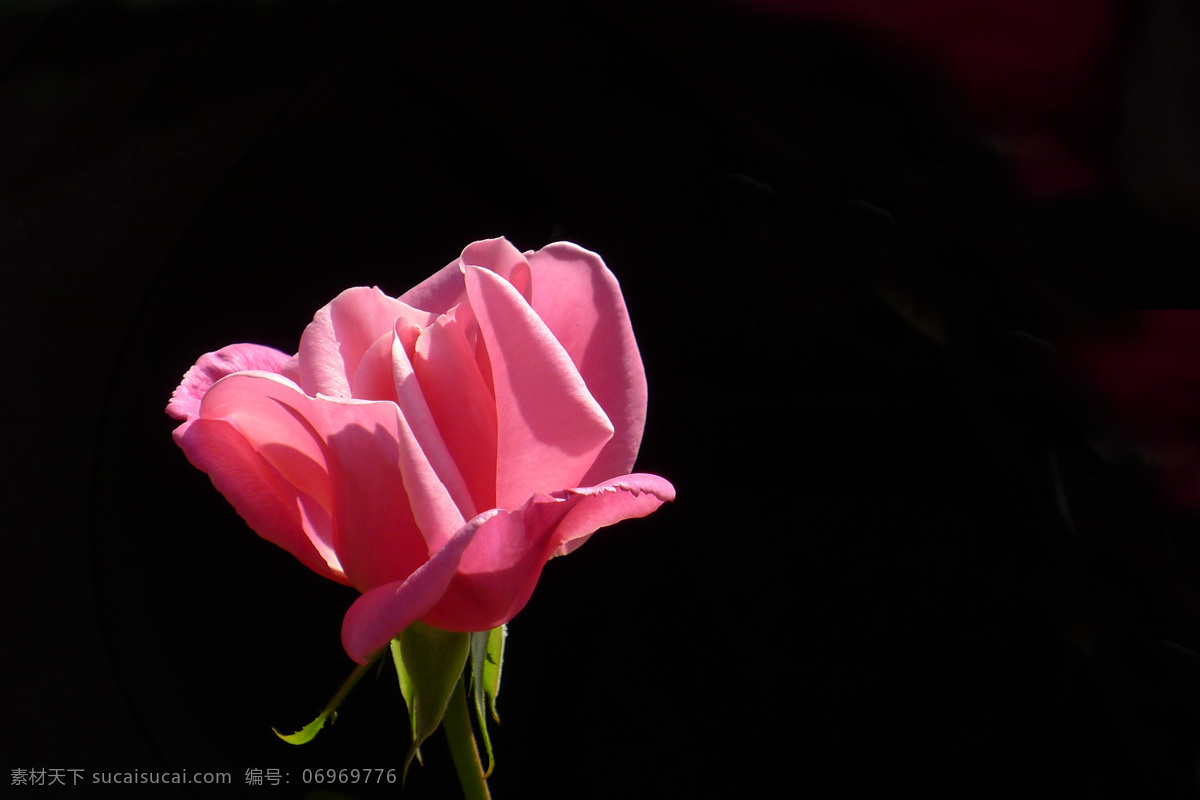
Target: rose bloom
{"points": [[434, 450]]}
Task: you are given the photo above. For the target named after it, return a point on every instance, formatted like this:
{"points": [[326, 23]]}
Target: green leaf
{"points": [[309, 731], [487, 652], [431, 662], [492, 664]]}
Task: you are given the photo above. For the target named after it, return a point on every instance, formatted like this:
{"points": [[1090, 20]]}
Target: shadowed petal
{"points": [[270, 505], [284, 439], [440, 292], [373, 478]]}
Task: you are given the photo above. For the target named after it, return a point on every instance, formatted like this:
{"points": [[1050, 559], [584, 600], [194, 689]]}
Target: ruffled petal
{"points": [[549, 429], [581, 303], [211, 367], [626, 497]]}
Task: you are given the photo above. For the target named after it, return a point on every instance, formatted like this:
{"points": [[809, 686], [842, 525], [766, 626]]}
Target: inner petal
{"points": [[549, 428], [460, 403]]}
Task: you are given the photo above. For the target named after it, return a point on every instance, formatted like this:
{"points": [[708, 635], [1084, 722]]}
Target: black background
{"points": [[866, 581]]}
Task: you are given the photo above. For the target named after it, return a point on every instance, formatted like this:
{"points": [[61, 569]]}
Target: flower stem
{"points": [[457, 724]]}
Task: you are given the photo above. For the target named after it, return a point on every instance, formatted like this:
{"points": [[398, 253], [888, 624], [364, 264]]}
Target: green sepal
{"points": [[487, 655], [429, 661], [309, 731], [492, 666], [406, 689]]}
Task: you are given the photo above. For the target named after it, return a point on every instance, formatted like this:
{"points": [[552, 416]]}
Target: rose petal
{"points": [[445, 289], [211, 367], [461, 404], [381, 613], [275, 431], [373, 378], [549, 429], [626, 497], [342, 332], [270, 505], [440, 292], [380, 490], [415, 408], [580, 301], [499, 569], [500, 257], [487, 571]]}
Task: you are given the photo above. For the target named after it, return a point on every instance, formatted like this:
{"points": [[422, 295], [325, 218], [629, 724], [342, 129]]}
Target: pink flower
{"points": [[434, 451]]}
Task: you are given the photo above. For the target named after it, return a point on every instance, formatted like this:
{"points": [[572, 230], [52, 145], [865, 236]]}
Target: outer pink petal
{"points": [[381, 490], [381, 613], [487, 571], [440, 292], [279, 434], [580, 301], [341, 333], [389, 501], [211, 367], [549, 429], [500, 257], [270, 505], [499, 569], [626, 497], [445, 289]]}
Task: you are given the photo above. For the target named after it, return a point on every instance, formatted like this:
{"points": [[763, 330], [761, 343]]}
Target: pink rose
{"points": [[434, 451]]}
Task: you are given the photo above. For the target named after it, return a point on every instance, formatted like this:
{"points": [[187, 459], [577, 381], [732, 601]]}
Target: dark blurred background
{"points": [[877, 256]]}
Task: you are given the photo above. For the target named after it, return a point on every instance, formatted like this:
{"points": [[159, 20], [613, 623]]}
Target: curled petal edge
{"points": [[210, 368], [572, 514], [633, 496]]}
